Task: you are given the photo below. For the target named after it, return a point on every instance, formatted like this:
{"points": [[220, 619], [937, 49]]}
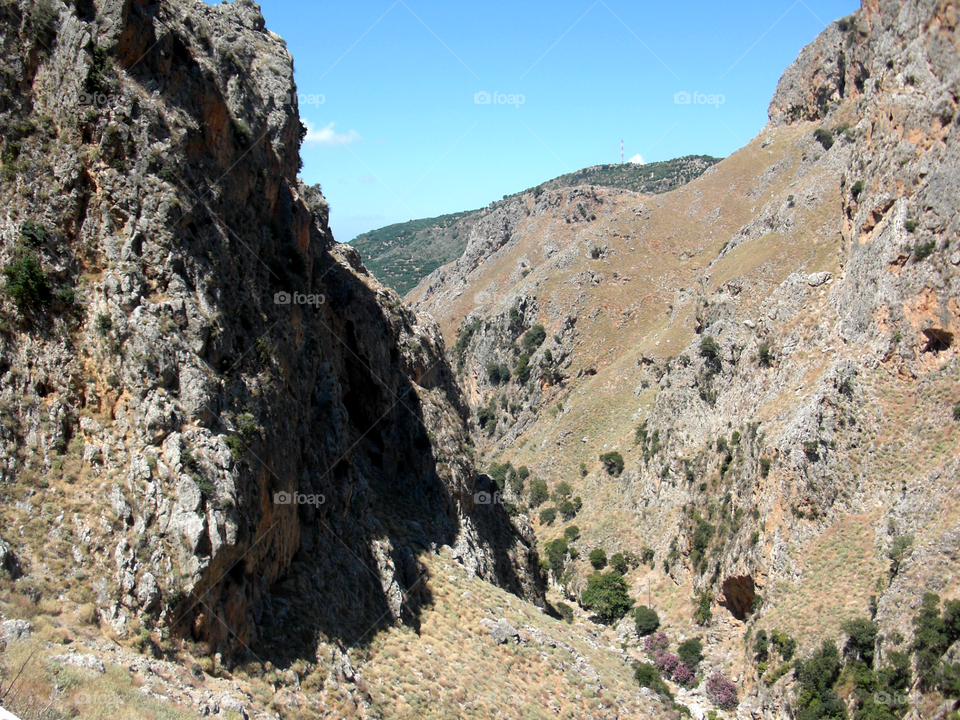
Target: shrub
{"points": [[765, 463], [26, 284], [956, 412], [562, 491], [824, 137], [619, 563], [899, 552], [924, 250], [613, 462], [99, 68], [533, 338], [538, 492], [33, 233], [497, 373], [648, 676], [523, 472], [583, 466], [598, 558], [760, 645], [565, 611], [703, 614], [548, 515], [655, 643], [522, 370], [568, 510], [556, 555], [764, 354], [237, 448], [817, 676], [861, 640], [647, 620], [571, 533], [785, 645], [646, 555], [856, 189], [247, 424], [691, 652], [606, 595], [722, 691]]}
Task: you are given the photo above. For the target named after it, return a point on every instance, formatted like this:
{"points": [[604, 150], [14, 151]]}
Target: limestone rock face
{"points": [[244, 428]]}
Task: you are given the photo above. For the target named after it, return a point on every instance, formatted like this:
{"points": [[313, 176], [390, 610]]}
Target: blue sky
{"points": [[388, 90]]}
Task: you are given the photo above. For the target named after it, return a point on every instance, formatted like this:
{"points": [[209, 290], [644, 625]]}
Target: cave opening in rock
{"points": [[739, 594], [938, 340]]}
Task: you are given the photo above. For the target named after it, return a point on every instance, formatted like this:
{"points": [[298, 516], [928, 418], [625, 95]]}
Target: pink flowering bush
{"points": [[655, 643], [683, 675], [722, 691]]}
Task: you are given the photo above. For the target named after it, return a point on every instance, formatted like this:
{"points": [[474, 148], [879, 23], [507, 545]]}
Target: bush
{"points": [[571, 533], [824, 137], [522, 371], [856, 189], [817, 676], [598, 558], [722, 691], [647, 620], [237, 448], [565, 611], [96, 81], [33, 233], [498, 373], [703, 614], [568, 510], [764, 354], [613, 462], [562, 491], [533, 338], [956, 412], [709, 349], [247, 424], [548, 515], [646, 555], [619, 563], [691, 653], [861, 640], [606, 595], [487, 419], [523, 471], [556, 555], [538, 492], [924, 250], [26, 284], [760, 645], [648, 676], [583, 466], [765, 463], [899, 552]]}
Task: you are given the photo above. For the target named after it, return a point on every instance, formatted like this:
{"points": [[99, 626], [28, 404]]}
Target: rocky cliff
{"points": [[771, 350], [216, 423]]}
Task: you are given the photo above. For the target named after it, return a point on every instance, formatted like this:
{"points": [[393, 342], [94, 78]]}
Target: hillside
{"points": [[752, 381], [401, 254]]}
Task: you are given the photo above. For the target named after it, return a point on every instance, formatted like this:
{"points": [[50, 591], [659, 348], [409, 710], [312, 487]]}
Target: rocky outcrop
{"points": [[252, 432]]}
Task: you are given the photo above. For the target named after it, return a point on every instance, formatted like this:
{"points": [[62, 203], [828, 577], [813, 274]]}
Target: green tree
{"points": [[606, 595], [538, 492], [598, 558], [567, 510], [619, 563], [562, 491], [26, 284], [548, 515], [571, 533], [522, 370], [648, 676], [534, 337], [556, 553], [861, 640], [760, 647], [690, 653], [899, 552], [613, 462], [647, 620]]}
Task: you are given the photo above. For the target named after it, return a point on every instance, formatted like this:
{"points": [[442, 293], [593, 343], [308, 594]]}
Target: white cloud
{"points": [[636, 159], [328, 136]]}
